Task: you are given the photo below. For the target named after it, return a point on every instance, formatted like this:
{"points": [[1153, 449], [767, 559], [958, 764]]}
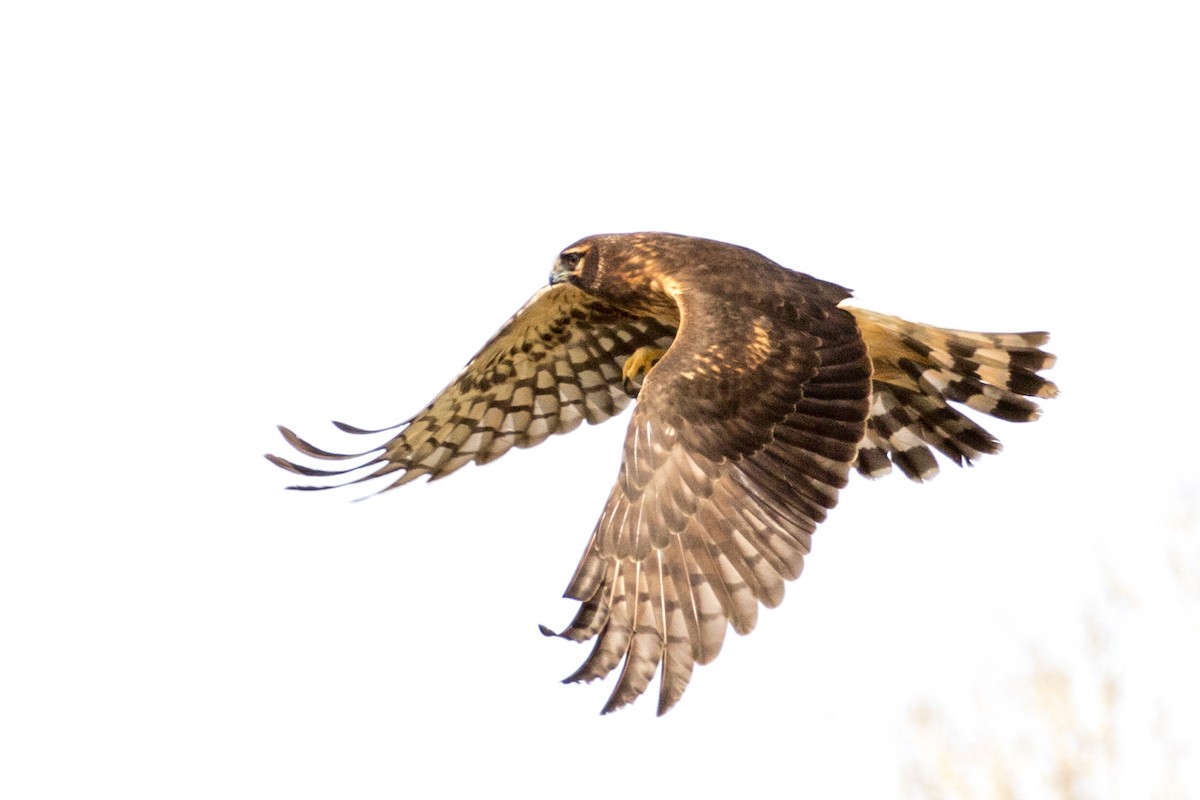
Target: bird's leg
{"points": [[637, 366]]}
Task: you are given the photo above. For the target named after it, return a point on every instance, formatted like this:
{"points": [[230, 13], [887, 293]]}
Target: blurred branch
{"points": [[1072, 729]]}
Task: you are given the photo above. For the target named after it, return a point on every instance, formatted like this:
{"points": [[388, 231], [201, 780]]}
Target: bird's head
{"points": [[628, 270], [577, 264]]}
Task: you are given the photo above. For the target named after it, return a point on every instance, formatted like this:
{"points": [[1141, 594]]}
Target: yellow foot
{"points": [[637, 366]]}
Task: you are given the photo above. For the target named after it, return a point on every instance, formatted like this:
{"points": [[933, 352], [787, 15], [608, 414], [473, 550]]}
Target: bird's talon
{"points": [[638, 366]]}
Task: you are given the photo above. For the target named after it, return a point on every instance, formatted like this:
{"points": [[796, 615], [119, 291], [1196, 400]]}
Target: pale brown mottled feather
{"points": [[554, 364]]}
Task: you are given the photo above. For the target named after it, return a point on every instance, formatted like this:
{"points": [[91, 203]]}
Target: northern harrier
{"points": [[757, 392]]}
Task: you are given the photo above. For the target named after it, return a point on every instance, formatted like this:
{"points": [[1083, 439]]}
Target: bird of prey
{"points": [[757, 391]]}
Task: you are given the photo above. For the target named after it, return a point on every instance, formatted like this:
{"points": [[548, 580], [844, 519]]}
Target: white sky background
{"points": [[223, 216]]}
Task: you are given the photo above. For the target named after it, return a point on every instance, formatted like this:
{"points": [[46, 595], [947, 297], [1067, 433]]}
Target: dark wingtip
{"points": [[347, 428], [309, 472], [613, 704], [315, 452], [282, 463]]}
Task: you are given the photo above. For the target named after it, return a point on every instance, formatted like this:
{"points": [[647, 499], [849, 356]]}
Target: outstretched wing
{"points": [[555, 363], [920, 369], [742, 436]]}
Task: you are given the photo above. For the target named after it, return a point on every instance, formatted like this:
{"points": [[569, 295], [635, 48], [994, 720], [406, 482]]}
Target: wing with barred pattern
{"points": [[729, 465], [554, 364]]}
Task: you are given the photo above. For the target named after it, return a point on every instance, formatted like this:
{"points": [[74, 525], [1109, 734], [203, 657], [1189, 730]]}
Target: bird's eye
{"points": [[571, 259]]}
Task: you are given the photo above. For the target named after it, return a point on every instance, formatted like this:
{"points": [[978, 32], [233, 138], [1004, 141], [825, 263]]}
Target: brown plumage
{"points": [[757, 392]]}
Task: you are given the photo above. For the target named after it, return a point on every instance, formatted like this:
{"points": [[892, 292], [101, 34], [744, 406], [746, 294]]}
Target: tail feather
{"points": [[919, 370]]}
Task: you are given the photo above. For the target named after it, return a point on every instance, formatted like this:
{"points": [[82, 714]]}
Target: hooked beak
{"points": [[559, 273], [568, 265]]}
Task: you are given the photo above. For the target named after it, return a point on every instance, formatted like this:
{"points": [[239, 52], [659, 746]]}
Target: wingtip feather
{"points": [[313, 451], [347, 428]]}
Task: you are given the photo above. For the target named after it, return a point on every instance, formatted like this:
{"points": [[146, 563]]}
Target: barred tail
{"points": [[920, 368]]}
